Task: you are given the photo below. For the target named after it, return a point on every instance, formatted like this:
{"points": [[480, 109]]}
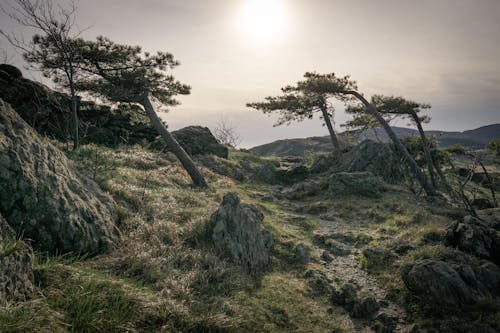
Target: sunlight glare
{"points": [[263, 20]]}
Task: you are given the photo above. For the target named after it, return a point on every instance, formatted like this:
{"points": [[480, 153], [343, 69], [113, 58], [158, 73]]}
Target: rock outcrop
{"points": [[377, 158], [453, 282], [16, 266], [355, 183], [44, 199], [236, 230], [479, 237], [197, 140], [48, 112]]}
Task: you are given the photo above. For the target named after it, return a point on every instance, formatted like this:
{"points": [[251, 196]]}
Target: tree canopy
{"points": [[299, 102]]}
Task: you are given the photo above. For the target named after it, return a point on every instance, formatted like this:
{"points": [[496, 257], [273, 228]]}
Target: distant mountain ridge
{"points": [[476, 138]]}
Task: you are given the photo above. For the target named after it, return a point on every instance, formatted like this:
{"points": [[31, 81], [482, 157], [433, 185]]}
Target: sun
{"points": [[263, 20]]}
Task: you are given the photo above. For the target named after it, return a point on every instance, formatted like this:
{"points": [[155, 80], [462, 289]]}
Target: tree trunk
{"points": [[328, 123], [422, 179], [74, 112], [426, 146], [173, 145]]}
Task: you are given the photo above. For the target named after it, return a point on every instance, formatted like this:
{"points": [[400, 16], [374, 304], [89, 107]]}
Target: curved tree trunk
{"points": [[422, 179], [173, 145], [74, 112], [426, 146], [329, 125]]}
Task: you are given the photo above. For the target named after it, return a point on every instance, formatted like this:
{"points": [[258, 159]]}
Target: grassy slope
{"points": [[165, 276]]}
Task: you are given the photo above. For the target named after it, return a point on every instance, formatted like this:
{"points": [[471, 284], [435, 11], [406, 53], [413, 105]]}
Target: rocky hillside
{"points": [[340, 243], [476, 138]]}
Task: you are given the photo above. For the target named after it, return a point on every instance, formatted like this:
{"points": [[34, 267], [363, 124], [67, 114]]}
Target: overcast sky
{"points": [[443, 52]]}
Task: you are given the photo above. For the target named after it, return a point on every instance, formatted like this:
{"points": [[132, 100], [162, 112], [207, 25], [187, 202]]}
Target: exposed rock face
{"points": [[478, 237], [44, 199], [355, 183], [48, 112], [197, 140], [292, 173], [322, 163], [377, 158], [235, 229], [452, 283], [16, 265]]}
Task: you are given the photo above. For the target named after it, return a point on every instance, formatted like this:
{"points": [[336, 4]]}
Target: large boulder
{"points": [[16, 262], [355, 183], [44, 199], [374, 157], [452, 282], [480, 237], [197, 140], [236, 230]]}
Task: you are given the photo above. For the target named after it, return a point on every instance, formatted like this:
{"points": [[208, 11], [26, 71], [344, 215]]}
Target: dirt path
{"points": [[347, 269]]}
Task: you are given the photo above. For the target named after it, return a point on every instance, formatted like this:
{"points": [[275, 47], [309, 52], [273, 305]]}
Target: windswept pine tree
{"points": [[125, 74], [307, 97]]}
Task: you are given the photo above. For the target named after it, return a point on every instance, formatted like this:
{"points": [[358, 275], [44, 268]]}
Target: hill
{"points": [[476, 138]]}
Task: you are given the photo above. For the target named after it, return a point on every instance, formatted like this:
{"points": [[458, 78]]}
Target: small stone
{"points": [[301, 254], [326, 256], [365, 308]]}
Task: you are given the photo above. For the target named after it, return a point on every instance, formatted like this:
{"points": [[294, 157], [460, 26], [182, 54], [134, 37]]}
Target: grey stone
{"points": [[347, 296], [477, 237], [301, 254], [236, 230], [326, 257], [453, 282], [377, 158], [337, 248], [356, 183], [365, 308], [198, 140], [44, 199], [318, 282]]}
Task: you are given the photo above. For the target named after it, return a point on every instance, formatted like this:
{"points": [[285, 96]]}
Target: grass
{"points": [[165, 276]]}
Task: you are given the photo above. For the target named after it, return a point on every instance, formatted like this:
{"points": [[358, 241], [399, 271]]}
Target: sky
{"points": [[442, 52]]}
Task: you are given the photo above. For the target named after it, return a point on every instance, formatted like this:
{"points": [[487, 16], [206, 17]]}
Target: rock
{"points": [[322, 163], [365, 308], [11, 71], [452, 282], [44, 199], [292, 174], [403, 248], [477, 237], [197, 140], [16, 262], [355, 183], [374, 157], [302, 190], [436, 283], [385, 323], [48, 112], [347, 295], [301, 254], [326, 257], [318, 282], [337, 248], [236, 230]]}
